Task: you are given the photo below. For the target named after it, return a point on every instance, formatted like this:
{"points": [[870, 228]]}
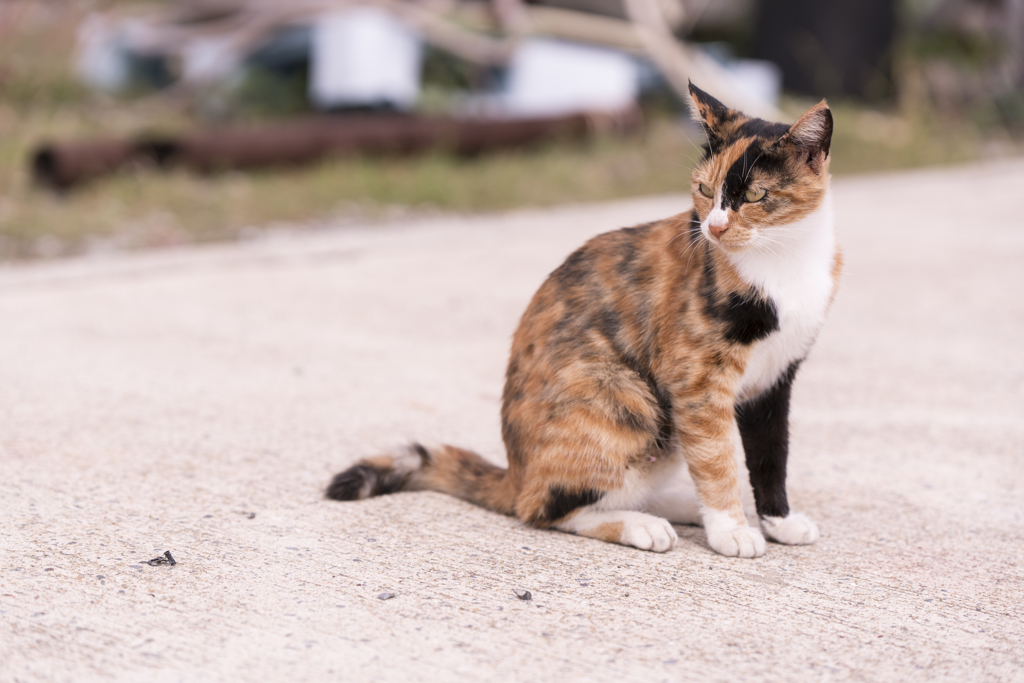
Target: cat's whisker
{"points": [[694, 244], [767, 250], [698, 242], [711, 151], [694, 144], [789, 227], [680, 164], [769, 240], [774, 248], [788, 238], [747, 174]]}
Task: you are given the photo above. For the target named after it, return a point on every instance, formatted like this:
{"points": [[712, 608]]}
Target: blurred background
{"points": [[137, 123]]}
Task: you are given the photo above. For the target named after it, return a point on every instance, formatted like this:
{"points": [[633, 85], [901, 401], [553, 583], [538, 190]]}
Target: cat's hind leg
{"points": [[588, 469], [614, 517], [625, 527], [608, 514]]}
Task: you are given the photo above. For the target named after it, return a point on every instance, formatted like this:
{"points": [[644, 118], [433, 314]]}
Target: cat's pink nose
{"points": [[718, 230]]}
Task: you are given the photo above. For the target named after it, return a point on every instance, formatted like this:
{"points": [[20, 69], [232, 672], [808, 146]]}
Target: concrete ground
{"points": [[199, 400]]}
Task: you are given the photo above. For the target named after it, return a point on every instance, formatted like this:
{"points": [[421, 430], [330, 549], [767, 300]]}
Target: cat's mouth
{"points": [[724, 237]]}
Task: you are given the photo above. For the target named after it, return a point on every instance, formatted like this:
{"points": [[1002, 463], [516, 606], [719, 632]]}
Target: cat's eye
{"points": [[754, 195], [707, 191]]}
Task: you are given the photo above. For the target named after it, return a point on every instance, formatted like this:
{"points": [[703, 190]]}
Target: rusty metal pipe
{"points": [[309, 140], [61, 166]]}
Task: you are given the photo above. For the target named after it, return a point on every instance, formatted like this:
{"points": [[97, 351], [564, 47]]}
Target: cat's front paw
{"points": [[793, 529], [741, 541], [728, 536]]}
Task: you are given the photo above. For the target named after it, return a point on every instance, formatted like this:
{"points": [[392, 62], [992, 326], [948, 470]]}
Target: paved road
{"points": [[198, 401]]}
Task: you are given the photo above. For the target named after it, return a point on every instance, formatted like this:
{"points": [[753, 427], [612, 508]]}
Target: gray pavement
{"points": [[198, 401]]}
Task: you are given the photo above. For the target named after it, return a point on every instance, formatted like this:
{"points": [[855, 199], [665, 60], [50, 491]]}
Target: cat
{"points": [[642, 355]]}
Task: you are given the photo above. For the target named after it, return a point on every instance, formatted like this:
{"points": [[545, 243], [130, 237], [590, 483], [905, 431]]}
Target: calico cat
{"points": [[651, 347]]}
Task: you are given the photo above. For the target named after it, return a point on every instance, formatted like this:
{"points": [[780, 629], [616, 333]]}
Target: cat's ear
{"points": [[706, 109], [810, 137]]}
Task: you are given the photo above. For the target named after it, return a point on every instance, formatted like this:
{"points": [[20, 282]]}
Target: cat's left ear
{"points": [[811, 136]]}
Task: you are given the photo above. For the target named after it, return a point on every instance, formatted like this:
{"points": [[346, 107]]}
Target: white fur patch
{"points": [[792, 264], [639, 530], [793, 529], [635, 489], [728, 537], [674, 495], [678, 505]]}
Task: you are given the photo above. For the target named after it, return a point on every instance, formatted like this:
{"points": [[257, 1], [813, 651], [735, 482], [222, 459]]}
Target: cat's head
{"points": [[756, 174]]}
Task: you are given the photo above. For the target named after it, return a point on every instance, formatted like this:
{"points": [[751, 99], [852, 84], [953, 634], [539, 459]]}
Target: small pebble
{"points": [[166, 559], [523, 595], [385, 596]]}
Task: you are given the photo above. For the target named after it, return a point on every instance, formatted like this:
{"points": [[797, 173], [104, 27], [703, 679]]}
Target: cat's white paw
{"points": [[648, 532], [729, 538], [742, 541], [793, 529]]}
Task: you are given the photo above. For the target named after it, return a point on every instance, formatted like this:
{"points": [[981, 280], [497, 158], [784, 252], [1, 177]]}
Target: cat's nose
{"points": [[718, 230]]}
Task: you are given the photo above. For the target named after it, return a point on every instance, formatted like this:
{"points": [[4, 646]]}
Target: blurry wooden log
{"points": [[445, 34], [309, 140], [680, 63], [511, 15], [587, 28], [674, 11], [244, 29]]}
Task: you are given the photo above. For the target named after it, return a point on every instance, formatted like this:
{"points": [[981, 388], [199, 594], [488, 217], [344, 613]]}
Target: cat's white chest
{"points": [[795, 270]]}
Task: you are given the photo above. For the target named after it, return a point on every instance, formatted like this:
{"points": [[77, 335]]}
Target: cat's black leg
{"points": [[764, 427]]}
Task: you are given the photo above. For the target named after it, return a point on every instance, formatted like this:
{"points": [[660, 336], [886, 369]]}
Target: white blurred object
{"points": [[549, 77], [103, 62], [759, 78], [208, 60], [756, 78], [364, 57]]}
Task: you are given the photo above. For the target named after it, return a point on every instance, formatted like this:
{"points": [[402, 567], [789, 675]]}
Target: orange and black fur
{"points": [[657, 350]]}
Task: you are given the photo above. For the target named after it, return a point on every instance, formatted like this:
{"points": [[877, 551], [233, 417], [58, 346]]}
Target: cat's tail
{"points": [[447, 469]]}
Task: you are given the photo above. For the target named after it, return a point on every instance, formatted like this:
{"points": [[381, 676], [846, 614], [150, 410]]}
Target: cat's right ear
{"points": [[706, 109]]}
